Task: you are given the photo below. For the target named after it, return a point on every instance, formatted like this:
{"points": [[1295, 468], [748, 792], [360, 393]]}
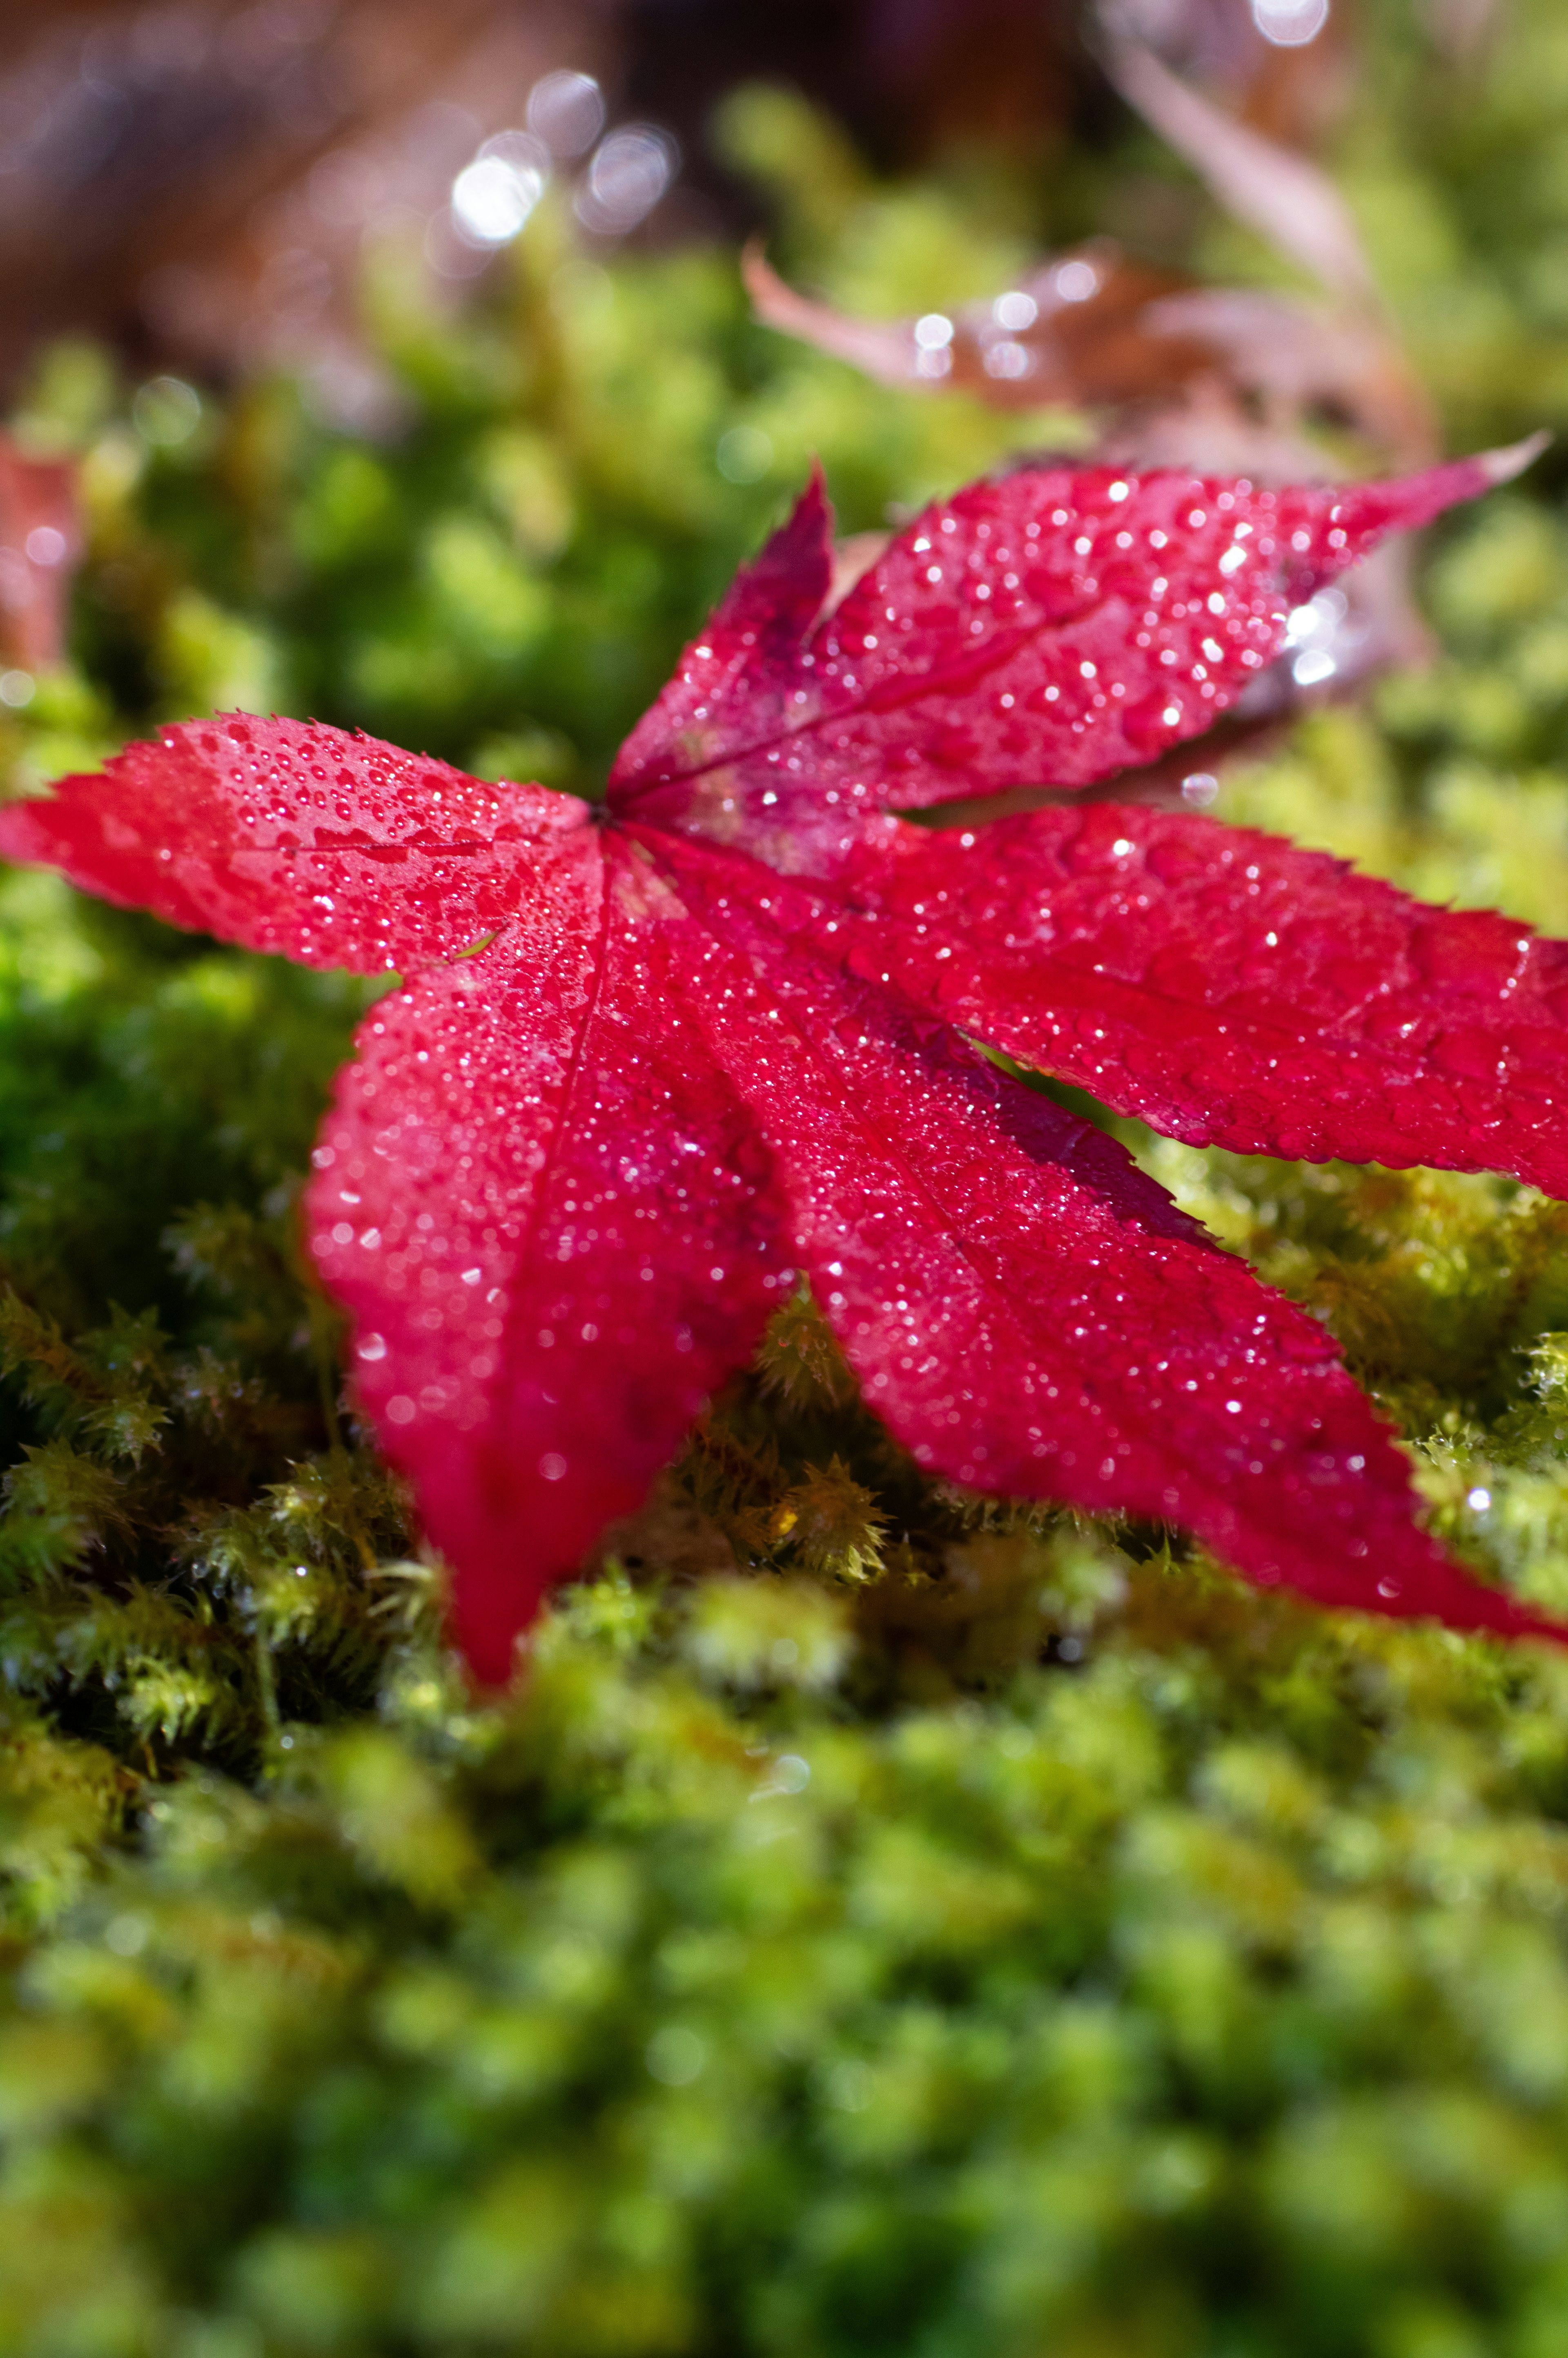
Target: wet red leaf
{"points": [[649, 1071]]}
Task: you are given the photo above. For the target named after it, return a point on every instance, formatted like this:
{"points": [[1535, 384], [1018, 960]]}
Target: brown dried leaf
{"points": [[1070, 334]]}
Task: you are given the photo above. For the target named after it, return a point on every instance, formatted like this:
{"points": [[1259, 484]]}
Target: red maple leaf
{"points": [[655, 1061]]}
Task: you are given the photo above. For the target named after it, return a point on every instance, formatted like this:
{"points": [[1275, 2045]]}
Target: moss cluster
{"points": [[1208, 1994], [885, 1919]]}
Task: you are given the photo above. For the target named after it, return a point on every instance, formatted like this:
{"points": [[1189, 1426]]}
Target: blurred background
{"points": [[428, 367], [196, 179]]}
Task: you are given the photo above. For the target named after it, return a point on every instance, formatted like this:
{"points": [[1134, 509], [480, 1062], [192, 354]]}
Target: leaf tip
{"points": [[1503, 465]]}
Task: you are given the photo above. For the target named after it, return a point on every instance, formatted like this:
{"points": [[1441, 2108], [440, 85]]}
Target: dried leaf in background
{"points": [[39, 540]]}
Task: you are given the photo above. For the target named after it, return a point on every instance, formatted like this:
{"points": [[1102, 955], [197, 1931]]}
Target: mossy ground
{"points": [[883, 1919]]}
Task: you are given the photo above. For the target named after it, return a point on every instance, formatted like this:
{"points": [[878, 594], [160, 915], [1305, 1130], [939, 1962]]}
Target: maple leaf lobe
{"points": [[555, 1227], [289, 836], [1224, 986], [1052, 626]]}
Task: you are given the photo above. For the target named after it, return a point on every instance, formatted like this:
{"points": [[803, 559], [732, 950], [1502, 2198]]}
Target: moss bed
{"points": [[883, 1919]]}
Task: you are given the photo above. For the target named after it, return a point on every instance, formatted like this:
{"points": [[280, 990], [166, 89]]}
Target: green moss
{"points": [[1214, 1986], [885, 1919]]}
